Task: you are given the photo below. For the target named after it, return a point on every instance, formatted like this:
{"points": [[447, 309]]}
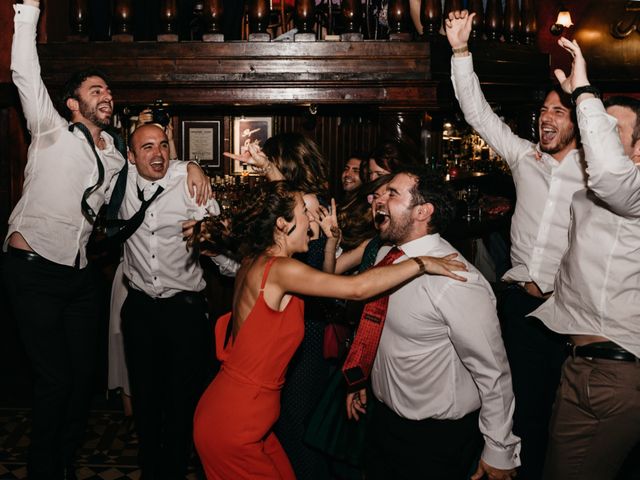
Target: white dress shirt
{"points": [[61, 165], [597, 290], [156, 259], [543, 187], [441, 354]]}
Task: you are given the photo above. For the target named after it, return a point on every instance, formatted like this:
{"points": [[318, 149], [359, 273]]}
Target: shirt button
{"points": [[153, 256], [153, 233], [155, 278]]}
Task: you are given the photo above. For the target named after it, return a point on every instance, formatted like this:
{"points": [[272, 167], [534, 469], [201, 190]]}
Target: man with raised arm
{"points": [[596, 301], [545, 175], [70, 173]]}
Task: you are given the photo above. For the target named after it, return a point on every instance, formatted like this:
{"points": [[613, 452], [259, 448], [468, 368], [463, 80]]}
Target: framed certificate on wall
{"points": [[202, 142]]}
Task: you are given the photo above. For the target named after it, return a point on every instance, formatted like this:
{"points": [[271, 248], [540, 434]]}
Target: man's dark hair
{"points": [[431, 188], [565, 100], [71, 86], [632, 104]]}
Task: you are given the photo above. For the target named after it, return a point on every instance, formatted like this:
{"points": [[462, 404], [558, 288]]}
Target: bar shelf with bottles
{"points": [[479, 177], [229, 190]]}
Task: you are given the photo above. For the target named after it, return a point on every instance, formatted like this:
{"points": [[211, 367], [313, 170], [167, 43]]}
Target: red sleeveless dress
{"points": [[234, 418]]}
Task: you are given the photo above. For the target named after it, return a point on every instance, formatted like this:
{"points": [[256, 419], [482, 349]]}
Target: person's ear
{"points": [[131, 157], [72, 104], [424, 211], [635, 152], [281, 224]]}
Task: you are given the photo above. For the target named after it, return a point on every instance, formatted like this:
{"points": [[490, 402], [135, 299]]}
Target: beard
{"points": [[91, 114], [397, 229], [565, 137]]}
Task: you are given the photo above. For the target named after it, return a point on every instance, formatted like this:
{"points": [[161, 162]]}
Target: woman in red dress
{"points": [[256, 341]]}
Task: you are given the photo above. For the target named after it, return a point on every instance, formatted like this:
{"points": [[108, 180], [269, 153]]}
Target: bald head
{"points": [[149, 151]]}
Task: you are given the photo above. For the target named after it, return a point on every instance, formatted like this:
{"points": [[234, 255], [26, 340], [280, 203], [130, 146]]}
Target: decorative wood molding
{"points": [[403, 75]]}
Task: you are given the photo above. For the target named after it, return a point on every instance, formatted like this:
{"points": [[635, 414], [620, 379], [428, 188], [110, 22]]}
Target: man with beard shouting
{"points": [[546, 175], [53, 291], [440, 378]]}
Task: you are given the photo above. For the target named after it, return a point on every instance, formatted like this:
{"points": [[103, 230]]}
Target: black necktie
{"points": [[127, 228], [86, 208], [117, 195], [121, 183]]}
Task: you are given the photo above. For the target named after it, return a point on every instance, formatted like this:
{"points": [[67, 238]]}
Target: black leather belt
{"points": [[605, 350], [28, 256]]}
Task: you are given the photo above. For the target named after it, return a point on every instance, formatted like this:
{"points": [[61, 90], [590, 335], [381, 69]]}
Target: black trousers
{"points": [[402, 449], [57, 311], [536, 355], [169, 348]]}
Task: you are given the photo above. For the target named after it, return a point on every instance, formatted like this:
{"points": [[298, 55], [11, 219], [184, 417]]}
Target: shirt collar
{"points": [[421, 246], [573, 155], [149, 186]]}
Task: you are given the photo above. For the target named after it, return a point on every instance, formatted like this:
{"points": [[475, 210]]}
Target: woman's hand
{"points": [[328, 221], [252, 156], [257, 159], [445, 266]]}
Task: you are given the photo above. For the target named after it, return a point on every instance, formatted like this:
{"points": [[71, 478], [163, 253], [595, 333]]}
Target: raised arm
{"points": [[613, 177], [477, 112], [39, 112], [255, 157], [291, 276]]}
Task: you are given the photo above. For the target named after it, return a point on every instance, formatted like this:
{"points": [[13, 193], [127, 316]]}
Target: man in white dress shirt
{"points": [[440, 378], [52, 289], [545, 175], [167, 334], [596, 416], [53, 292]]}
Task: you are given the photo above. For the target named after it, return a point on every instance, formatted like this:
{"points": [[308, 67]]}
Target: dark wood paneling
{"points": [[193, 73]]}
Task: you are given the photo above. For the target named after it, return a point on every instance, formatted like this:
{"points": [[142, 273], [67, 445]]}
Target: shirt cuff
{"points": [[462, 65], [591, 105], [503, 459], [26, 13]]}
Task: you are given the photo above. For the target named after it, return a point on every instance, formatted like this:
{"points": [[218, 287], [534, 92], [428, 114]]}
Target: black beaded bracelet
{"points": [[584, 89]]}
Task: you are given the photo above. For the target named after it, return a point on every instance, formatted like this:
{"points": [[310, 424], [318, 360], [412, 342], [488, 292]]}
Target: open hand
{"points": [[458, 27], [445, 266], [328, 221], [578, 76]]}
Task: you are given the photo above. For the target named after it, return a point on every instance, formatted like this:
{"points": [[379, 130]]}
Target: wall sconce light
{"points": [[563, 21], [624, 27]]}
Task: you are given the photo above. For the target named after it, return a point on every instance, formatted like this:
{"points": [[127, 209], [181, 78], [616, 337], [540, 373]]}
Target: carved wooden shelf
{"points": [[398, 75]]}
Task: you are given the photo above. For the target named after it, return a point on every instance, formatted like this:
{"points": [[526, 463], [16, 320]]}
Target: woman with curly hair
{"points": [[256, 340]]}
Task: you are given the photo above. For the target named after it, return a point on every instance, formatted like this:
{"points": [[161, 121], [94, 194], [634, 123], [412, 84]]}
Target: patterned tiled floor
{"points": [[109, 451]]}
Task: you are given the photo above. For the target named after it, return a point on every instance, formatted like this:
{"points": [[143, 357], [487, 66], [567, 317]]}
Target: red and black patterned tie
{"points": [[357, 367]]}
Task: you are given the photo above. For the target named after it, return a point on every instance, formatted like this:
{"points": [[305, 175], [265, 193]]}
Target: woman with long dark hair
{"points": [[257, 339]]}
